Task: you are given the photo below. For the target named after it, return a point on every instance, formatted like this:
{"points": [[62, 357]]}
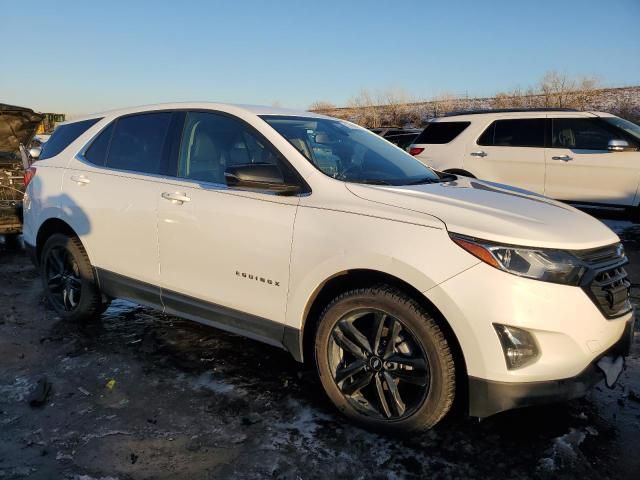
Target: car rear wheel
{"points": [[68, 279], [383, 360]]}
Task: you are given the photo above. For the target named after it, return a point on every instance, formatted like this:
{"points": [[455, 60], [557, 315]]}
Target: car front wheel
{"points": [[384, 361]]}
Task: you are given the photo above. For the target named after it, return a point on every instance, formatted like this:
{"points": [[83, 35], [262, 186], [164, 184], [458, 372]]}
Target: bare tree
{"points": [[321, 106], [366, 111], [561, 91], [395, 105], [442, 104]]}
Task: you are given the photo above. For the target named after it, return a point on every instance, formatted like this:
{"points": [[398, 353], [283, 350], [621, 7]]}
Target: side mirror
{"points": [[259, 176], [35, 152], [618, 145]]}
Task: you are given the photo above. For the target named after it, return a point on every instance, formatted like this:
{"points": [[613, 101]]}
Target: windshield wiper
{"points": [[373, 181], [443, 177], [424, 180]]}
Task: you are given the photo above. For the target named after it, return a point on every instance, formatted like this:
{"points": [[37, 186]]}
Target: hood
{"points": [[17, 125], [496, 212]]}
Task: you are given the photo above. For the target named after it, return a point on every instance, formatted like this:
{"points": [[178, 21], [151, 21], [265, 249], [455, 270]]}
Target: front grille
{"points": [[611, 292], [606, 281]]}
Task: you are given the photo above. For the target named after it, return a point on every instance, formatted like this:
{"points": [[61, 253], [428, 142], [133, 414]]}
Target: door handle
{"points": [[80, 179], [479, 153], [176, 197], [564, 158]]}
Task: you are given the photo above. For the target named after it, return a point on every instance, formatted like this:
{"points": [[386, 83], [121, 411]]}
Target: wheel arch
{"points": [[363, 278], [48, 228]]}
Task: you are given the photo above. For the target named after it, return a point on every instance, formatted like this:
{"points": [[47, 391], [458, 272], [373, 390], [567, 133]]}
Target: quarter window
{"points": [[97, 151], [514, 133], [581, 134], [64, 135], [438, 133], [212, 142], [138, 141]]}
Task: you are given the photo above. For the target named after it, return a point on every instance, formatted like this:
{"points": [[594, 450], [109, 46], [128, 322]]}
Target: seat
{"points": [[204, 159], [566, 138]]}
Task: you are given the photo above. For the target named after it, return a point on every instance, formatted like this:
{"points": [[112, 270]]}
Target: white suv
{"points": [[404, 286], [585, 158]]}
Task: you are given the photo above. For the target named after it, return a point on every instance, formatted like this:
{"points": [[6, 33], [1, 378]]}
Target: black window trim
{"points": [[605, 125], [95, 121], [81, 154], [492, 123], [305, 189], [171, 151], [466, 123]]}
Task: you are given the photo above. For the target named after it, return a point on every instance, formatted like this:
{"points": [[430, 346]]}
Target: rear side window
{"points": [[441, 132], [138, 141], [64, 135], [97, 151], [514, 133]]}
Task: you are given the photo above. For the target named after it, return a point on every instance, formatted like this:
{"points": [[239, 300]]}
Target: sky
{"points": [[81, 57]]}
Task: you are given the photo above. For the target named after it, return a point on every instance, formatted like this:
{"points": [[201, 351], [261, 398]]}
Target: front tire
{"points": [[69, 280], [384, 362]]}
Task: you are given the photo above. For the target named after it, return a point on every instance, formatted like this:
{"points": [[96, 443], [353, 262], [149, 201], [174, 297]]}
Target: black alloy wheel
{"points": [[378, 365], [63, 280], [384, 361]]}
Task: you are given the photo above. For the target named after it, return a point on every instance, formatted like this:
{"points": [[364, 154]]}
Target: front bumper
{"points": [[488, 397]]}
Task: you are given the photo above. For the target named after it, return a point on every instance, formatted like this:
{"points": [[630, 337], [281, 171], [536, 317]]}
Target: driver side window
{"points": [[213, 142]]}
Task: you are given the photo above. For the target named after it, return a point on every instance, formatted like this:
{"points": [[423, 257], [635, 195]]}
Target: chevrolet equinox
{"points": [[406, 287]]}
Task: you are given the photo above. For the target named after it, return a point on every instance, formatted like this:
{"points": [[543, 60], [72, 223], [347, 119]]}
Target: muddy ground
{"points": [[142, 395]]}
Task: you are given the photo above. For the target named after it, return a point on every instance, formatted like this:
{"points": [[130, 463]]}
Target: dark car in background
{"points": [[402, 137], [18, 125]]}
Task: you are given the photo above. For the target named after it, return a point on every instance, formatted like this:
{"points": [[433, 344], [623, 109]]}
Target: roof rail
{"points": [[508, 110]]}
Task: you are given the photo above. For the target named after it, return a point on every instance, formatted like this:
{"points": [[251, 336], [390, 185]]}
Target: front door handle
{"points": [[479, 153], [564, 158], [80, 179], [176, 197]]}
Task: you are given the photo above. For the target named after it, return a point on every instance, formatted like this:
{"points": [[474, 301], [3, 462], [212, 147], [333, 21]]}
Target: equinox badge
{"points": [[257, 278]]}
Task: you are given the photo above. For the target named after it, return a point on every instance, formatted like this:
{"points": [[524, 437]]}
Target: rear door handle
{"points": [[176, 197], [479, 153], [564, 158], [80, 179]]}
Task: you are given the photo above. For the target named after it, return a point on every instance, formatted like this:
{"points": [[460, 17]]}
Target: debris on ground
{"points": [[40, 394]]}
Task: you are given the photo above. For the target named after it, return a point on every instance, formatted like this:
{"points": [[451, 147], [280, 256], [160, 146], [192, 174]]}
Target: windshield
{"points": [[350, 153], [629, 127]]}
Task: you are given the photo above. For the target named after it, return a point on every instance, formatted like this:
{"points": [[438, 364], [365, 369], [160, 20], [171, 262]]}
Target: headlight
{"points": [[557, 266]]}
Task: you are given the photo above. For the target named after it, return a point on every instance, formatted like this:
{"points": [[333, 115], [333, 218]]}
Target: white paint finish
{"points": [[593, 176], [522, 167], [590, 176], [196, 247], [329, 242], [496, 212], [563, 320], [115, 217], [218, 232]]}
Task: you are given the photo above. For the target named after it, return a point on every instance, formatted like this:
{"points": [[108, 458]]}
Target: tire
{"points": [[419, 362], [69, 280]]}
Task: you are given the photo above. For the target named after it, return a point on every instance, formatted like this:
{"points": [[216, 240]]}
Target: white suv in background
{"points": [[405, 287], [586, 158]]}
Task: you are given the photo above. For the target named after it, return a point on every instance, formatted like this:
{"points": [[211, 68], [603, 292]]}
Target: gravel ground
{"points": [[142, 395]]}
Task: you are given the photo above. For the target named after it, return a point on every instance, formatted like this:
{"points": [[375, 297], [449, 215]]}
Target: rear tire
{"points": [[384, 362], [69, 280]]}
